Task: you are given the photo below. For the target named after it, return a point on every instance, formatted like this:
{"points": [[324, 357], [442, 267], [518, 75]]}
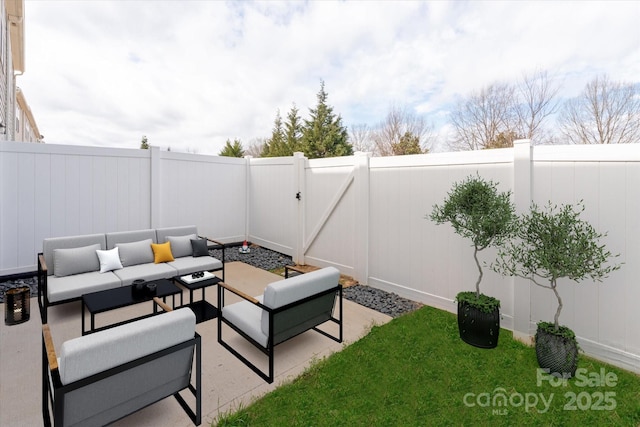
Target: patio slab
{"points": [[227, 383]]}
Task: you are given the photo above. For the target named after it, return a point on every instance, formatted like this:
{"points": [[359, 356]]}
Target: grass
{"points": [[415, 371]]}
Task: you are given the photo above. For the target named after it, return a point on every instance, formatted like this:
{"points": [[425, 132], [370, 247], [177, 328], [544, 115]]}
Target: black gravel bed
{"points": [[385, 302]]}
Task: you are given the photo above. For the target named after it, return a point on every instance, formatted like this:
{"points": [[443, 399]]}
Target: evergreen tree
{"points": [[323, 135], [144, 144], [276, 145], [293, 128], [408, 144], [232, 150]]}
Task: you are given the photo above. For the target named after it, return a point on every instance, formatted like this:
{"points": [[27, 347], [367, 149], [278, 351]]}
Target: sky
{"points": [[191, 75]]}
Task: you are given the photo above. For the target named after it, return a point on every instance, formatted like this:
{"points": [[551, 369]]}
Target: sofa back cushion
{"points": [[181, 245], [94, 353], [51, 244], [76, 260], [129, 237], [135, 253], [283, 292], [163, 233]]}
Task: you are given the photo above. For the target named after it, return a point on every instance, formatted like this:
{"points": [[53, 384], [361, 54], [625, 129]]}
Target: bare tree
{"points": [[255, 147], [536, 102], [606, 113], [484, 117], [401, 123], [360, 137]]}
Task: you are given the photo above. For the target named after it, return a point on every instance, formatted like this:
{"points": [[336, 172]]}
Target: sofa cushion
{"points": [[199, 247], [71, 287], [75, 260], [149, 271], [117, 237], [163, 233], [135, 253], [109, 260], [162, 252], [181, 245], [51, 244], [90, 354], [188, 265]]}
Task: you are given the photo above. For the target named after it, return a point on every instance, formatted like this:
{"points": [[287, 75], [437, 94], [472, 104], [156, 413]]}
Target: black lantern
{"points": [[16, 307]]}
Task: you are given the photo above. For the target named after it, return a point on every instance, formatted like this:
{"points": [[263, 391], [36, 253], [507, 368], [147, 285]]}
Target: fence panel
{"points": [[272, 187], [330, 213], [206, 191], [411, 255]]}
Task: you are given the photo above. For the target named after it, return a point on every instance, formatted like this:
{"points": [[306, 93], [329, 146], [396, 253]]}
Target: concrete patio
{"points": [[227, 383]]}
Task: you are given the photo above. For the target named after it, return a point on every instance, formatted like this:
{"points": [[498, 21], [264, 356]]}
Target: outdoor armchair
{"points": [[286, 309], [99, 378]]}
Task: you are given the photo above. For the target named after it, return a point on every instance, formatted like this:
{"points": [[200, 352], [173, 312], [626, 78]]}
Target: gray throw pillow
{"points": [[135, 253], [199, 247], [75, 260], [181, 245]]}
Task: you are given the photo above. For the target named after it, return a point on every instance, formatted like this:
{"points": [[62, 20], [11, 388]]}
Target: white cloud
{"points": [[192, 74]]}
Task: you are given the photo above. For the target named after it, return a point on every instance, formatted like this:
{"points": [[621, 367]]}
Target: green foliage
{"points": [[406, 374], [144, 143], [408, 144], [502, 140], [323, 135], [555, 243], [482, 302], [562, 331], [285, 138], [477, 211], [232, 150]]}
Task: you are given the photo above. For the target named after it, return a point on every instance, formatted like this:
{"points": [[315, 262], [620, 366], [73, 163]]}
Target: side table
{"points": [[203, 309]]}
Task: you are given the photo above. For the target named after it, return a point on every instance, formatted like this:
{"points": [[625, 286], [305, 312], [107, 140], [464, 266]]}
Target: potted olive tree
{"points": [[477, 211], [549, 245]]}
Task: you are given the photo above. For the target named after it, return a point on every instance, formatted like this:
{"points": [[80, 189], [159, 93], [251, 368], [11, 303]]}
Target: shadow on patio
{"points": [[227, 382]]}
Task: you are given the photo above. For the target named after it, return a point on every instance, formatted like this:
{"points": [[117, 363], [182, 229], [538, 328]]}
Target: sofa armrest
{"points": [[212, 241], [42, 264], [42, 287], [241, 294]]}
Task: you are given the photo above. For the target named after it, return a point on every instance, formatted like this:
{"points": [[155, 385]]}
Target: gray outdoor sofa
{"points": [[69, 267], [102, 377]]}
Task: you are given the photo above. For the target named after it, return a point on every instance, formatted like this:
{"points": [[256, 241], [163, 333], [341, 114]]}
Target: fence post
{"points": [[300, 187], [247, 197], [154, 191], [361, 244], [522, 191]]}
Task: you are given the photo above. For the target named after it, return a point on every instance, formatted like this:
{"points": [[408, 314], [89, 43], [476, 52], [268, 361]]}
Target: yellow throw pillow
{"points": [[162, 252]]}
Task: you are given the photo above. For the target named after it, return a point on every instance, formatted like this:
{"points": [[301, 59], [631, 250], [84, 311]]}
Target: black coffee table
{"points": [[203, 309], [110, 299]]}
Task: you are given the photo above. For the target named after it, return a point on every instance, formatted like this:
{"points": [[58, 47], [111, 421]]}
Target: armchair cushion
{"points": [[246, 317], [75, 260], [283, 292], [90, 354]]}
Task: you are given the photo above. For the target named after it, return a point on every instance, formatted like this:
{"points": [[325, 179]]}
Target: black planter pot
{"points": [[556, 353], [478, 328]]}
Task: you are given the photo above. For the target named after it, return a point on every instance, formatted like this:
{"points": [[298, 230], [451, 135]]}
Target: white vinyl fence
{"points": [[55, 190], [366, 216]]}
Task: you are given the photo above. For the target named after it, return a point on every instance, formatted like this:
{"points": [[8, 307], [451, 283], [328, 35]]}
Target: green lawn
{"points": [[415, 371]]}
